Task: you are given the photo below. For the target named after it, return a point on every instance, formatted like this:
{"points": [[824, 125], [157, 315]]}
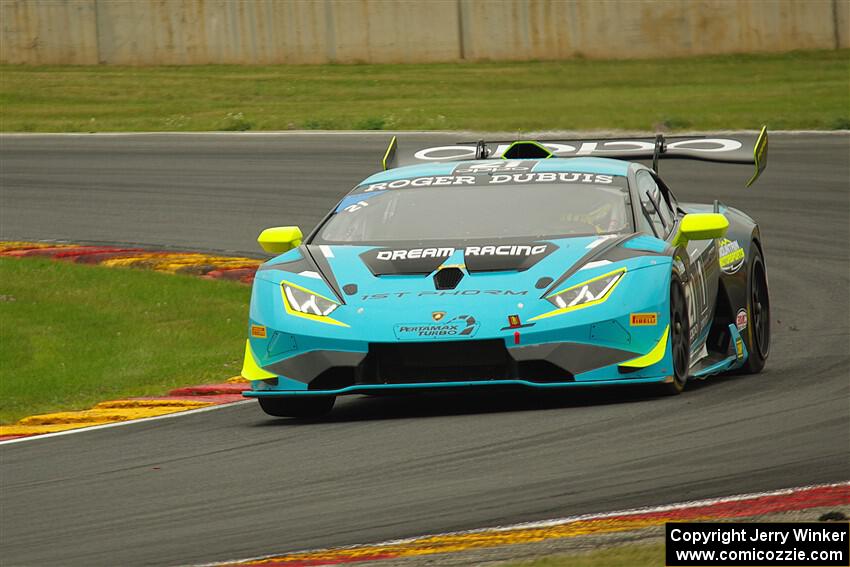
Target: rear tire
{"points": [[298, 406], [758, 311], [679, 340]]}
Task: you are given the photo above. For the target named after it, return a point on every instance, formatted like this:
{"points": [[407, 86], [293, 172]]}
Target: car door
{"points": [[699, 258]]}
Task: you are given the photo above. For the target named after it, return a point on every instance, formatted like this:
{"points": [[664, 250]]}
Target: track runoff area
{"points": [[778, 446], [696, 533]]}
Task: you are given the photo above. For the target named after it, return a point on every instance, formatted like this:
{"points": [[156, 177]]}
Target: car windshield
{"points": [[534, 210]]}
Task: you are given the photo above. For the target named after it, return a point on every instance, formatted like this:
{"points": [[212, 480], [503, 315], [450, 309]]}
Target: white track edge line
{"points": [[39, 436], [549, 523]]}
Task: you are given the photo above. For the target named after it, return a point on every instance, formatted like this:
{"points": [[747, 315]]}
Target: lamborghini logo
{"points": [[438, 315]]}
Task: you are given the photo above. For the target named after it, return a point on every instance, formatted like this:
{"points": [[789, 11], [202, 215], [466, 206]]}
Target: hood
{"points": [[531, 268], [393, 293]]}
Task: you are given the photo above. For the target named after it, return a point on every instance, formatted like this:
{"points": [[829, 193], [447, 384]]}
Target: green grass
{"points": [[795, 90], [73, 335], [631, 555]]}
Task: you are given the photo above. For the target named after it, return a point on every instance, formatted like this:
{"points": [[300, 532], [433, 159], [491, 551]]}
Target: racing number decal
{"points": [[695, 291], [697, 296]]}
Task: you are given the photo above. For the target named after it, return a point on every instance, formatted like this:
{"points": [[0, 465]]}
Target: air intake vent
{"points": [[526, 150], [448, 278]]}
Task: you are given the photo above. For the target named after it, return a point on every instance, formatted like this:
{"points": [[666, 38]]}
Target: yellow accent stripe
{"points": [[653, 356], [250, 369]]}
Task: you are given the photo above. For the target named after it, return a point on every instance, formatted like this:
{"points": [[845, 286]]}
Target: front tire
{"points": [[758, 309], [679, 340], [298, 406]]}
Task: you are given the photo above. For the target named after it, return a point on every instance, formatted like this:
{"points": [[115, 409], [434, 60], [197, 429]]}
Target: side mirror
{"points": [[280, 239], [701, 226]]}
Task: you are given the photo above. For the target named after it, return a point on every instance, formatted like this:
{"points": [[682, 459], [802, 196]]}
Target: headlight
{"points": [[584, 294], [592, 290], [305, 301]]}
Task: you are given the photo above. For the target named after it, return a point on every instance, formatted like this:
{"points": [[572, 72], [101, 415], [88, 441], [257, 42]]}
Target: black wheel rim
{"points": [[760, 307], [678, 334]]}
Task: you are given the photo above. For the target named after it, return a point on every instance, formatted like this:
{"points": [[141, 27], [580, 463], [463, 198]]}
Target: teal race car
{"points": [[524, 264]]}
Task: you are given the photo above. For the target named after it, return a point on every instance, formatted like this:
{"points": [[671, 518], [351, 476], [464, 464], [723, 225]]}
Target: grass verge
{"points": [[785, 91], [630, 555], [73, 335]]}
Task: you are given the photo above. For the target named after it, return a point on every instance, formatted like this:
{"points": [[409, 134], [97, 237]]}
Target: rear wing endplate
{"points": [[390, 160], [759, 155]]}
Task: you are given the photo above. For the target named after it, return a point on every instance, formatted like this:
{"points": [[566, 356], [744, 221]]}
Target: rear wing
{"points": [[717, 149]]}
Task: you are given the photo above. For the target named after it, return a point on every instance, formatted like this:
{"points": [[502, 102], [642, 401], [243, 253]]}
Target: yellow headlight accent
{"points": [[597, 301], [250, 369], [653, 356], [310, 316]]}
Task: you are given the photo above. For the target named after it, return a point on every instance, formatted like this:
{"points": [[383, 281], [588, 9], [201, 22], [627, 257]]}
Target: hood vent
{"points": [[448, 278]]}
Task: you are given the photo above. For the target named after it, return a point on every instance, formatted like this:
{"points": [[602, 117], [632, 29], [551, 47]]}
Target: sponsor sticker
{"points": [[258, 331], [741, 319], [643, 319], [739, 348], [462, 326], [709, 146], [502, 165], [442, 293], [731, 256], [505, 176], [445, 252]]}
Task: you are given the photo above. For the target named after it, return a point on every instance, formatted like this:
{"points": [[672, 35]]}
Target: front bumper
{"points": [[373, 349], [378, 388], [452, 364]]}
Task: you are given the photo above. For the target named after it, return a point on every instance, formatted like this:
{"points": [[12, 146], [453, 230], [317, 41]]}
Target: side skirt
{"points": [[710, 365]]}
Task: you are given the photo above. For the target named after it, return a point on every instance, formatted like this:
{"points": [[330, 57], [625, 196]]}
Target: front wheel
{"points": [[679, 340], [298, 406]]}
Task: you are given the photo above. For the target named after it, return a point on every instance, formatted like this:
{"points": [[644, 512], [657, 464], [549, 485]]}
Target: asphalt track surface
{"points": [[233, 483]]}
